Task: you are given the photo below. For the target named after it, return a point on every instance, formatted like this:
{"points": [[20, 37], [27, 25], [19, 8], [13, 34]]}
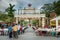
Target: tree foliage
{"points": [[34, 22], [10, 11], [47, 8], [57, 7], [3, 16]]}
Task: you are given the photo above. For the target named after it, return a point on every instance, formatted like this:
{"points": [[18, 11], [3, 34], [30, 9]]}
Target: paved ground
{"points": [[30, 35]]}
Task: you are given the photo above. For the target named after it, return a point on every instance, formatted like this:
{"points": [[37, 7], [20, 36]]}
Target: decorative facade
{"points": [[30, 13]]}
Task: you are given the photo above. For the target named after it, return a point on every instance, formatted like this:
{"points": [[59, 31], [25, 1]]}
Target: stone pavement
{"points": [[30, 35]]}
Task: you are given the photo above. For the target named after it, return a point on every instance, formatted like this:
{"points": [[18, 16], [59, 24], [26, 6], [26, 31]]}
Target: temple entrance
{"points": [[26, 21], [31, 16]]}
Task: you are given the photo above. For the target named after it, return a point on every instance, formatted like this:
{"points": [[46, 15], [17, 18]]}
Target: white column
{"points": [[16, 20], [39, 21], [56, 23], [43, 22]]}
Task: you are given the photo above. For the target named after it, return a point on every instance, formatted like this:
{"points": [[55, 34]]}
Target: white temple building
{"points": [[30, 13]]}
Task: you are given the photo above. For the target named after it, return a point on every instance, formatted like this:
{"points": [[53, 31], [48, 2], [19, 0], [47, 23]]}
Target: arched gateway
{"points": [[30, 13]]}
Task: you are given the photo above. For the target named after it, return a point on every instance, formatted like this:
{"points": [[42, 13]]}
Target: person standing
{"points": [[18, 28], [21, 29], [2, 32], [10, 31], [15, 31]]}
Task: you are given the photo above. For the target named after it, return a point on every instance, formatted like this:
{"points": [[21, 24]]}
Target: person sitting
{"points": [[21, 29]]}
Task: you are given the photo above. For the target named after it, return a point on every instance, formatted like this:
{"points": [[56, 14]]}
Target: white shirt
{"points": [[19, 27]]}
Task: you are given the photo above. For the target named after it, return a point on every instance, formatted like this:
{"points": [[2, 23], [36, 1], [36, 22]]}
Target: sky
{"points": [[20, 4]]}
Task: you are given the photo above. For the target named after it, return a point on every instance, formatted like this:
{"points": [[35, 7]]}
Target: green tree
{"points": [[11, 11], [35, 22], [3, 16], [46, 9], [25, 23], [21, 22], [56, 5]]}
